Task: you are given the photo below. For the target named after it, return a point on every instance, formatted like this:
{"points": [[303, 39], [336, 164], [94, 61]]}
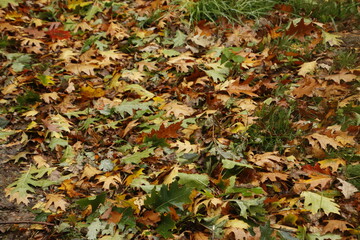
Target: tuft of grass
{"points": [[232, 10], [273, 128], [326, 11], [346, 59]]}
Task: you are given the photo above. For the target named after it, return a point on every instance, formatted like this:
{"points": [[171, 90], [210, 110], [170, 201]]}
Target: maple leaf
{"points": [[109, 180], [57, 200], [172, 195], [116, 30], [314, 202], [306, 88]]}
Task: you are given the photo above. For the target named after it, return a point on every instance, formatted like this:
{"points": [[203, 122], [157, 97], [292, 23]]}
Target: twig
{"points": [[26, 222]]}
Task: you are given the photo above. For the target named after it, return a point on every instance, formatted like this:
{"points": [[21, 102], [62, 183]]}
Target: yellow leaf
{"points": [[306, 68], [334, 163], [40, 161], [109, 180], [72, 4], [90, 92], [170, 177], [90, 171], [130, 178]]}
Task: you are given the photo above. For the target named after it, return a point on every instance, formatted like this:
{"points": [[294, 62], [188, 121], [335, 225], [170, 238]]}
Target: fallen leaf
{"points": [[347, 189], [56, 200], [333, 225]]}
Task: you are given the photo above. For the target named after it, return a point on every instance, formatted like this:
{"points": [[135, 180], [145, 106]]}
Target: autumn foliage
{"points": [[125, 120]]}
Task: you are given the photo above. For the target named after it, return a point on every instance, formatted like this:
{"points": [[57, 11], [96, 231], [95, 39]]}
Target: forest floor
{"points": [[132, 120]]}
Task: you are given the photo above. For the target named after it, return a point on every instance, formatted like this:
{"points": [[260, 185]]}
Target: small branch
{"points": [[26, 222]]}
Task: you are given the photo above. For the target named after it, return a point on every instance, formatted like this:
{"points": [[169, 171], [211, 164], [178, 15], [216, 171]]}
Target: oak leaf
{"points": [[336, 225], [109, 180], [273, 176], [306, 68], [314, 202], [334, 163], [322, 140], [149, 218], [56, 200], [179, 110], [343, 75], [90, 171], [347, 189], [170, 131], [306, 88]]}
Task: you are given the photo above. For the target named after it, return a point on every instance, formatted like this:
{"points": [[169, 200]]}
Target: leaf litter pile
{"points": [[129, 120]]}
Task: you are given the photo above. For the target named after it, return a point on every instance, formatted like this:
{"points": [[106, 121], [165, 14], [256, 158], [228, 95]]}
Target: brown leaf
{"points": [[343, 75], [300, 30], [149, 218], [273, 176], [323, 140], [56, 200], [306, 88], [333, 225]]}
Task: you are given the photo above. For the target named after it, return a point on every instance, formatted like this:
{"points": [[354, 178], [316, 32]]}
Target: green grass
{"points": [[273, 129], [325, 11], [232, 10], [346, 59]]}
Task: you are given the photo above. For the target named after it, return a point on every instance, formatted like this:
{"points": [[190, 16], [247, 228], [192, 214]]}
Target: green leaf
{"points": [[266, 232], [139, 90], [106, 165], [5, 3], [170, 53], [218, 72], [19, 189], [229, 164], [57, 141], [250, 207], [130, 106], [165, 226], [94, 201], [94, 228], [314, 202], [198, 181], [137, 157], [168, 196], [4, 134], [317, 236], [179, 39], [127, 218]]}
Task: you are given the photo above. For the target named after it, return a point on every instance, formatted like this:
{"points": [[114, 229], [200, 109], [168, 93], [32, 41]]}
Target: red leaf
{"points": [[58, 34], [166, 132]]}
